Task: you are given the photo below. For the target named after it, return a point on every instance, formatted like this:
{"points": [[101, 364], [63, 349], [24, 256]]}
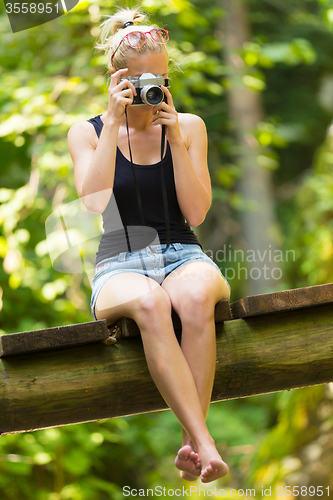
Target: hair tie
{"points": [[129, 23]]}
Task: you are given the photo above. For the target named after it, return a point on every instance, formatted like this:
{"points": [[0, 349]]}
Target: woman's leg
{"points": [[194, 289], [146, 302]]}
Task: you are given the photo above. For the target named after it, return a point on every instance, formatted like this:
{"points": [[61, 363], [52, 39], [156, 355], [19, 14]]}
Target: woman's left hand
{"points": [[166, 114]]}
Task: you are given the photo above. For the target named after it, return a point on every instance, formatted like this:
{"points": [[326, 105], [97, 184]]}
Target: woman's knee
{"points": [[197, 305], [129, 294], [152, 305]]}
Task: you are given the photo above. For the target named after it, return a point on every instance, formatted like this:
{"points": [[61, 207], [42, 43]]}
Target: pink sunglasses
{"points": [[137, 39]]}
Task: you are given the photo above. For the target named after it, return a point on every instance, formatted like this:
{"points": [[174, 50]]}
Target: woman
{"points": [[181, 277]]}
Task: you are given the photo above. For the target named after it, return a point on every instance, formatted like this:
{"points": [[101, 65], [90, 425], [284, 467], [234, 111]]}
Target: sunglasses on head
{"points": [[137, 39]]}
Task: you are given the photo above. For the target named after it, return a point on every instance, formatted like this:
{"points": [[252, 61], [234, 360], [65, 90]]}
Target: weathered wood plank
{"points": [[222, 311], [287, 300], [51, 338], [92, 382], [62, 336]]}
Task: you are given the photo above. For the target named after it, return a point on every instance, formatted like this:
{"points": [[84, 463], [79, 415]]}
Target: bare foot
{"points": [[188, 462], [216, 469], [188, 477]]}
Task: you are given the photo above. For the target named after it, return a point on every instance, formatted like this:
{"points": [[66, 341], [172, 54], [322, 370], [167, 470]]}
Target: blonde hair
{"points": [[113, 31]]}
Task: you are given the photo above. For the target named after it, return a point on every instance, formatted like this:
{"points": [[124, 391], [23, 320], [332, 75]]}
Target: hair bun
{"points": [[122, 17]]}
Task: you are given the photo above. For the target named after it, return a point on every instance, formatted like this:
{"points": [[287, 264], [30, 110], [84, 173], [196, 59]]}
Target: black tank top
{"points": [[122, 227]]}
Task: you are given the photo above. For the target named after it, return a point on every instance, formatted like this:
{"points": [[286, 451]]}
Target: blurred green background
{"points": [[282, 68]]}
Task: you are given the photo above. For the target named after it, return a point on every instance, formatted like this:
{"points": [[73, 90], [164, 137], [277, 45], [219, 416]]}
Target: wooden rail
{"points": [[77, 373]]}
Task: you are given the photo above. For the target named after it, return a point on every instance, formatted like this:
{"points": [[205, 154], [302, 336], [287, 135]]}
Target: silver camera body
{"points": [[148, 87]]}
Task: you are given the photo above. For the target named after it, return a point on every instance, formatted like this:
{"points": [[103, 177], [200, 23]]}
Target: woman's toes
{"points": [[195, 457], [187, 462], [185, 452], [216, 469]]}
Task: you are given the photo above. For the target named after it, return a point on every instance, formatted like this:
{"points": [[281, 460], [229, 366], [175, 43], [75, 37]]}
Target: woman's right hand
{"points": [[121, 95]]}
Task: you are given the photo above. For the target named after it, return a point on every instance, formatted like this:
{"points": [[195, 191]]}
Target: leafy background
{"points": [[50, 78]]}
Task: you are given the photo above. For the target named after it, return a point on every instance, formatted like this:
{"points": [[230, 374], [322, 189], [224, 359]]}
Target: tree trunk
{"points": [[258, 225]]}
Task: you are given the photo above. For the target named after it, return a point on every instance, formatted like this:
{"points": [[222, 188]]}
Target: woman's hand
{"points": [[121, 95], [166, 114]]}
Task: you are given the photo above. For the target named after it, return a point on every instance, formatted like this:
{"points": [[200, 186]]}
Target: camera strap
{"points": [[165, 200]]}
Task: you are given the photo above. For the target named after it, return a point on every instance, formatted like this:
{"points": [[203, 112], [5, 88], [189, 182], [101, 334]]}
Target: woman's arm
{"points": [[94, 168], [187, 136]]}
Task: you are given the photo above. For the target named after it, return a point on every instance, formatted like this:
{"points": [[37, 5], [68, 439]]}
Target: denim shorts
{"points": [[156, 266]]}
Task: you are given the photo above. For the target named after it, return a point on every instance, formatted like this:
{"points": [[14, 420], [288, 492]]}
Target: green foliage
{"points": [[294, 451], [312, 225], [97, 459], [50, 78]]}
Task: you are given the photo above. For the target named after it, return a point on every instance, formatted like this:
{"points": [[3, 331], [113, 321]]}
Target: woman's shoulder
{"points": [[86, 130], [189, 119], [83, 126], [191, 126]]}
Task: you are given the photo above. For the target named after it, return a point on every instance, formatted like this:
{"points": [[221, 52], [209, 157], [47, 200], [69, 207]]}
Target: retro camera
{"points": [[148, 87]]}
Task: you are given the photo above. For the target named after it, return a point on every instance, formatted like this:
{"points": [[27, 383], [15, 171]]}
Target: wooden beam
{"points": [[51, 338], [287, 300], [82, 383], [85, 333]]}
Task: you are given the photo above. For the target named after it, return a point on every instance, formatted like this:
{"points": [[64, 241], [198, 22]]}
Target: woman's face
{"points": [[151, 62]]}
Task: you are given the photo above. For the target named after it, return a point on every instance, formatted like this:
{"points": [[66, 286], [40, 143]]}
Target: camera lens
{"points": [[152, 95]]}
